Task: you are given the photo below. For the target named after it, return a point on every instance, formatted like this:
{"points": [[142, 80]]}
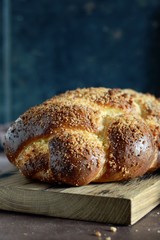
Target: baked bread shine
{"points": [[87, 135]]}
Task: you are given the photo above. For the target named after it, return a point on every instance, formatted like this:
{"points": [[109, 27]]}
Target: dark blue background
{"points": [[65, 44]]}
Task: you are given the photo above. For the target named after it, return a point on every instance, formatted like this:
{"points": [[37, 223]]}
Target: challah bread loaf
{"points": [[87, 135]]}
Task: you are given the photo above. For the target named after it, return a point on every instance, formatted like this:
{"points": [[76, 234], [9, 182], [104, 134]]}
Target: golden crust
{"points": [[87, 135]]}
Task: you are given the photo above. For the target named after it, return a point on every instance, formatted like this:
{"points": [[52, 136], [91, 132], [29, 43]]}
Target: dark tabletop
{"points": [[26, 226]]}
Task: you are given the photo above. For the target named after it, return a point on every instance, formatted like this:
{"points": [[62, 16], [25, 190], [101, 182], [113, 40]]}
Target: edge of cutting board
{"points": [[113, 203]]}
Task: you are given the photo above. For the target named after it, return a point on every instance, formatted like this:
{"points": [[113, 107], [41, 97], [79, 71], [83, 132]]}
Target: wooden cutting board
{"points": [[115, 203]]}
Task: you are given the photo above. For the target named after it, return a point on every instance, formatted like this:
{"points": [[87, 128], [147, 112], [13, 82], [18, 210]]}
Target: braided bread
{"points": [[87, 135]]}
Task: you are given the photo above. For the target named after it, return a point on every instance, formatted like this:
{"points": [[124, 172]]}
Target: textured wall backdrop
{"points": [[58, 45]]}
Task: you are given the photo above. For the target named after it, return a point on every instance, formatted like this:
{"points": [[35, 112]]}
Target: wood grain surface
{"points": [[117, 203]]}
